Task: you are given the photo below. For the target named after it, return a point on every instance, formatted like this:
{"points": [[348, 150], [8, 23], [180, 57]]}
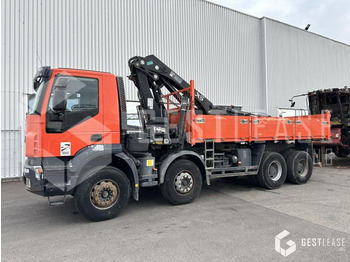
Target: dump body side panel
{"points": [[248, 128], [226, 128]]}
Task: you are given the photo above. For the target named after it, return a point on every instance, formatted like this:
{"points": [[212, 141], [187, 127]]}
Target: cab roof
{"points": [[77, 70]]}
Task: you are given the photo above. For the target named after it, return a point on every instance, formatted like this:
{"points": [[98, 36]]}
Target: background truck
{"points": [[78, 143], [337, 101]]}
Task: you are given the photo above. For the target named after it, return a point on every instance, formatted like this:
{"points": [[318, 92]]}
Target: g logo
{"points": [[290, 243]]}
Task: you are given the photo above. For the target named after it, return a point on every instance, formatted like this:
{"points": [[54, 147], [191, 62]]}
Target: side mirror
{"points": [[60, 95], [292, 103], [36, 85], [43, 72]]}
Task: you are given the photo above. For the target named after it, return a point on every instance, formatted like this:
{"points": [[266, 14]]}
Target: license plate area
{"points": [[28, 183]]}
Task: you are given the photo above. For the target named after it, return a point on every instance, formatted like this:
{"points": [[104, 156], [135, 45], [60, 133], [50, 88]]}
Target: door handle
{"points": [[96, 137]]}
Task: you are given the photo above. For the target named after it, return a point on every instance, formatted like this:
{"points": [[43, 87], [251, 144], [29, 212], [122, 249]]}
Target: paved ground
{"points": [[231, 221]]}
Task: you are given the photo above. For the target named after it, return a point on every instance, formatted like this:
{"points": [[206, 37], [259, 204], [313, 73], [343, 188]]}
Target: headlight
{"points": [[38, 172]]}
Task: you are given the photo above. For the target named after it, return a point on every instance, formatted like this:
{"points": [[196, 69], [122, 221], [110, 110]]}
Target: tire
{"points": [[253, 180], [273, 171], [341, 153], [299, 166], [89, 195], [164, 191], [287, 153], [182, 183]]}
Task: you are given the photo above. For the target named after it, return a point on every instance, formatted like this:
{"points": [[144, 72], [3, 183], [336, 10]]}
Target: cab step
{"points": [[57, 202], [234, 171], [149, 180]]}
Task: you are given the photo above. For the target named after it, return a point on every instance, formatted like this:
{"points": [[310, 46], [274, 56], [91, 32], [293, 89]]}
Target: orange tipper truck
{"points": [[78, 142]]}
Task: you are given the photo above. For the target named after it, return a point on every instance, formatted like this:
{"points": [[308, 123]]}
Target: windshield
{"points": [[39, 97]]}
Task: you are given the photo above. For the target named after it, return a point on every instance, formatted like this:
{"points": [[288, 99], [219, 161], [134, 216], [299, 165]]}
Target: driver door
{"points": [[80, 124]]}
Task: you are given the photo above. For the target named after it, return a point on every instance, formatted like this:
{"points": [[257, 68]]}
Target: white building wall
{"points": [[221, 49], [299, 61]]}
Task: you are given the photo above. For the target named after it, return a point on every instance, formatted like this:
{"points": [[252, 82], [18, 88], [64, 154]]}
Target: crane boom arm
{"points": [[149, 75]]}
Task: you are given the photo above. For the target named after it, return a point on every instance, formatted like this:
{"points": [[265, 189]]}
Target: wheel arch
{"points": [[106, 157], [186, 154]]}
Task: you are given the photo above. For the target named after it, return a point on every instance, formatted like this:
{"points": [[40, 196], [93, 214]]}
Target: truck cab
{"points": [[75, 113]]}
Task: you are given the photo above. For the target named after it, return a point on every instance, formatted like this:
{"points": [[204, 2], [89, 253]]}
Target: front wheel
{"points": [[183, 182], [103, 195]]}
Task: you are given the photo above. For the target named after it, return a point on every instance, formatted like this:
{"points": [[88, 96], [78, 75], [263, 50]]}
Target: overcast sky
{"points": [[330, 18]]}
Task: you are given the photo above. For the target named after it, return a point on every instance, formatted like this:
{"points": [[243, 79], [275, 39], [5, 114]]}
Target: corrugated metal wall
{"points": [[221, 49], [299, 61]]}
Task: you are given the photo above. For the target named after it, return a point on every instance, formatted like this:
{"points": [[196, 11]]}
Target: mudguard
{"points": [[104, 154], [193, 155]]}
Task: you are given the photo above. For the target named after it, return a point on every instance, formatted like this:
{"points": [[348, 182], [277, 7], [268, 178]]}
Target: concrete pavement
{"points": [[232, 220]]}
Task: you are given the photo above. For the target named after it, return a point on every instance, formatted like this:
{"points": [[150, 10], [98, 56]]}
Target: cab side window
{"points": [[81, 104]]}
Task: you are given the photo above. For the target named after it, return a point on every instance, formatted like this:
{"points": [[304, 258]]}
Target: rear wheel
{"points": [[299, 166], [183, 182], [340, 153], [287, 153], [272, 171], [103, 195]]}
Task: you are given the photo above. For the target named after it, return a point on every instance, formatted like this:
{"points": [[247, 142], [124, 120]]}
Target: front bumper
{"points": [[54, 181], [33, 183]]}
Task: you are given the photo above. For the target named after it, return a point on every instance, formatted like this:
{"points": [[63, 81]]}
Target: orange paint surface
{"points": [[220, 128], [226, 128], [39, 143]]}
